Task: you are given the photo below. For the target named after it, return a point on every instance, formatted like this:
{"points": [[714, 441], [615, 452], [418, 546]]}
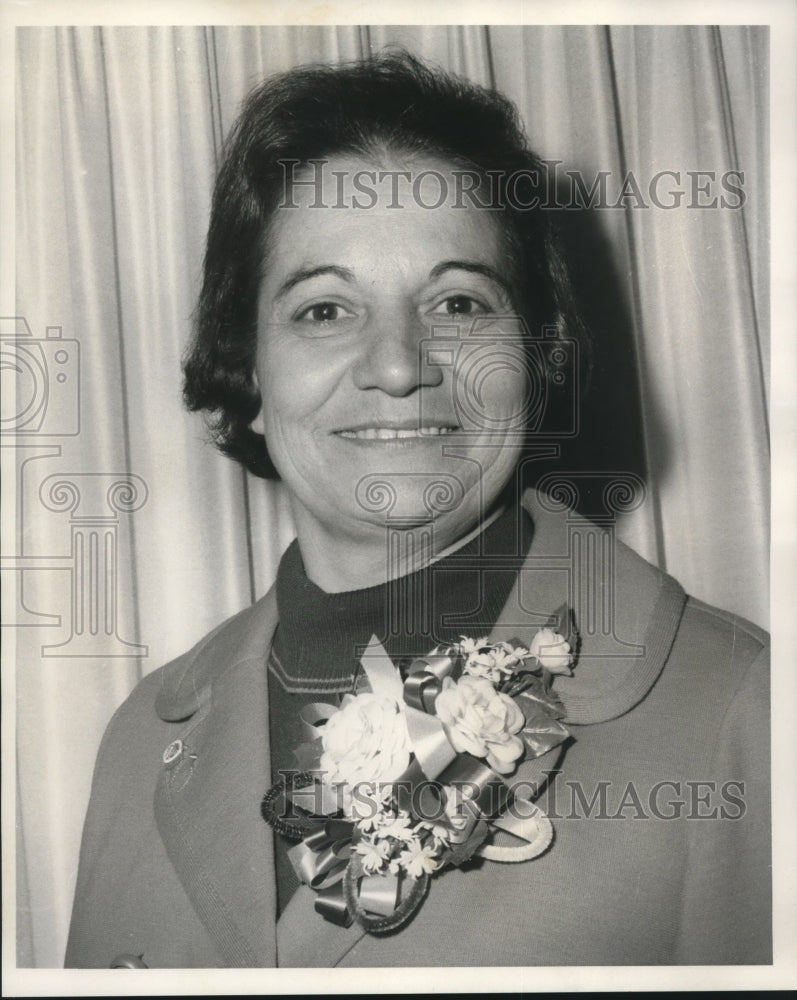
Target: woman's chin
{"points": [[412, 514]]}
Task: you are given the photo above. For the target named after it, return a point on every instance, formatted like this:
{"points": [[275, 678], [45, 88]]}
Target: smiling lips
{"points": [[395, 433]]}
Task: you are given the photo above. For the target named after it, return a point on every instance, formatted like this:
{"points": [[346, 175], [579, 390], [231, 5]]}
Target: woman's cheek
{"points": [[492, 393]]}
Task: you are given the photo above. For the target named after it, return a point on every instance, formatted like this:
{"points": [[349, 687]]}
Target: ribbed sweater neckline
{"points": [[321, 636]]}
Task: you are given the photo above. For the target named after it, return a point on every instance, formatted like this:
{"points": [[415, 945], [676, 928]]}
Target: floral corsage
{"points": [[405, 778]]}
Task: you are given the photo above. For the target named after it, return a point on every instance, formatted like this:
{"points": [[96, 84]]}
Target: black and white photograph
{"points": [[394, 489]]}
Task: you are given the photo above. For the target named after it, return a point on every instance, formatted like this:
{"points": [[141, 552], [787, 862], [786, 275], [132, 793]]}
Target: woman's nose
{"points": [[393, 357]]}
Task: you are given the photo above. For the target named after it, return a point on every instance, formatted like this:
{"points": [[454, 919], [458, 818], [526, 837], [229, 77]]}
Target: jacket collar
{"points": [[627, 613]]}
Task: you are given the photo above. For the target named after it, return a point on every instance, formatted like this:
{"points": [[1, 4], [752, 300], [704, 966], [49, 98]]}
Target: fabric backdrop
{"points": [[135, 537]]}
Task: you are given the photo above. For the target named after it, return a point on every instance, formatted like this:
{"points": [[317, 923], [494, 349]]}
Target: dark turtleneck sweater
{"points": [[320, 636]]}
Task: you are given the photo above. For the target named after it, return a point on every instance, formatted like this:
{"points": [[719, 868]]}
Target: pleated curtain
{"points": [[119, 132]]}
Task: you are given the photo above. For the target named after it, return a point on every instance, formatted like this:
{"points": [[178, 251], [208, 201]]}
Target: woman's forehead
{"points": [[380, 211], [393, 180]]}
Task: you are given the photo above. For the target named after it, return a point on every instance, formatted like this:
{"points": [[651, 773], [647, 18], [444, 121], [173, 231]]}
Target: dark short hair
{"points": [[391, 101]]}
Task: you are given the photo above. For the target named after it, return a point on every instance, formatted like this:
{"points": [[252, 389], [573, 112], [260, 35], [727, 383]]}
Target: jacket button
{"points": [[173, 752], [126, 961]]}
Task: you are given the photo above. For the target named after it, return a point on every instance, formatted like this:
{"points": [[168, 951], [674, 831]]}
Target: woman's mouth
{"points": [[395, 433]]}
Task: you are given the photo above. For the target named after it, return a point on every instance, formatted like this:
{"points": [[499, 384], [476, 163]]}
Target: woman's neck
{"points": [[336, 563]]}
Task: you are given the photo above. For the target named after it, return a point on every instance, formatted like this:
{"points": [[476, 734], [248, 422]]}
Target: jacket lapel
{"points": [[207, 801]]}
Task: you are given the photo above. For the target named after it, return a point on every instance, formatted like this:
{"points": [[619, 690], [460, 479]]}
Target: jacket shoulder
{"points": [[721, 624], [719, 650], [185, 680], [174, 692]]}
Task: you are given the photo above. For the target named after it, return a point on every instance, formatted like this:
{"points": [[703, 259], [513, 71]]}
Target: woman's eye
{"points": [[323, 312], [461, 305]]}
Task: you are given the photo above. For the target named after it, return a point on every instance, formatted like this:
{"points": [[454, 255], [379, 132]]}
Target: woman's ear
{"points": [[257, 424]]}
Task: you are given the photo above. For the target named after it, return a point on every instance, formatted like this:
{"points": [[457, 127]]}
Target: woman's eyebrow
{"points": [[305, 273], [474, 267]]}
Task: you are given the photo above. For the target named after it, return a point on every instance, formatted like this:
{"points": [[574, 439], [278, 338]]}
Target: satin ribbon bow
{"points": [[321, 860]]}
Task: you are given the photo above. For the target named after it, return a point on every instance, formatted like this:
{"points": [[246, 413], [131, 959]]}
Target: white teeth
{"points": [[390, 434]]}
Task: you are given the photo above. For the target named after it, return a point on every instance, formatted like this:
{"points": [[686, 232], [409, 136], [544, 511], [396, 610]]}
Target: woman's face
{"points": [[393, 375]]}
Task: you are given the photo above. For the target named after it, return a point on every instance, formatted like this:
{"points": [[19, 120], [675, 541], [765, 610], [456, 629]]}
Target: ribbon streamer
{"points": [[426, 675], [331, 904], [535, 829], [379, 894], [380, 671], [429, 743]]}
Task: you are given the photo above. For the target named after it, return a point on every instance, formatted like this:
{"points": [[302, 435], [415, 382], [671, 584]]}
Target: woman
{"points": [[381, 320]]}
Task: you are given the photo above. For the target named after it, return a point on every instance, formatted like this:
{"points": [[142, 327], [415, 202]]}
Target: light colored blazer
{"points": [[669, 696]]}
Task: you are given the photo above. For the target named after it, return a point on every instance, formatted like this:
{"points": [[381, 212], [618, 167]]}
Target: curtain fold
{"points": [[119, 133], [697, 330]]}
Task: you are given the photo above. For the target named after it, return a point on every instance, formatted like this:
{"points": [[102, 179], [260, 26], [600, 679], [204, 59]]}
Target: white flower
{"points": [[494, 662], [478, 657], [481, 721], [368, 825], [508, 659], [366, 741], [482, 665], [469, 646], [376, 816], [552, 651], [399, 827], [373, 855], [419, 858]]}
